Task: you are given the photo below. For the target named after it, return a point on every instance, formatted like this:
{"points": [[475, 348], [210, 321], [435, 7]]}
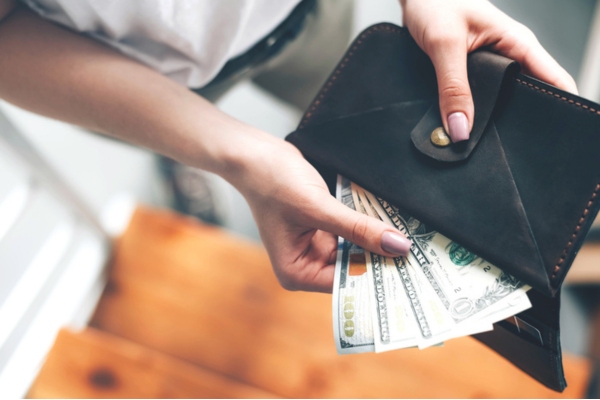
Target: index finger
{"points": [[537, 62]]}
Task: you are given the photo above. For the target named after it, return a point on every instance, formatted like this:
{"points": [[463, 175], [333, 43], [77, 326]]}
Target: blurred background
{"points": [[110, 177]]}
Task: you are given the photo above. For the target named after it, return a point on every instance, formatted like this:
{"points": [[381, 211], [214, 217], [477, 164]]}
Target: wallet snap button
{"points": [[440, 138]]}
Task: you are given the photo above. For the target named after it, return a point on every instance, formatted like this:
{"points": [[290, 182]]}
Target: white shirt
{"points": [[186, 40]]}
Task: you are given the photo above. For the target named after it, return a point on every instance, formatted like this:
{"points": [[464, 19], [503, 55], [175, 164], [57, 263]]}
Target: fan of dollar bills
{"points": [[439, 292]]}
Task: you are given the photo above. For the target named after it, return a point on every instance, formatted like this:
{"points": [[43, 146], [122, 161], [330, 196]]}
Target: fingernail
{"points": [[395, 243], [458, 126]]}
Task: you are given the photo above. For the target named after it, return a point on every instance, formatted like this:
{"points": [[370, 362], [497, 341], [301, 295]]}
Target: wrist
{"points": [[245, 153], [202, 136]]}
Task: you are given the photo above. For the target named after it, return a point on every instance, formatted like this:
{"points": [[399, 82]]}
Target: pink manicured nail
{"points": [[395, 243], [458, 126]]}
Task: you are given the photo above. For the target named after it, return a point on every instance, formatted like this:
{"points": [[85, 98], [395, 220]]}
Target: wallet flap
{"points": [[383, 87], [559, 189], [487, 73], [456, 199], [551, 140]]}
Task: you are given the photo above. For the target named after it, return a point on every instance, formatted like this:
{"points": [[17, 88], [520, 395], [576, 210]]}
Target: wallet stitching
{"points": [[315, 105], [583, 218], [332, 79], [576, 232], [558, 96]]}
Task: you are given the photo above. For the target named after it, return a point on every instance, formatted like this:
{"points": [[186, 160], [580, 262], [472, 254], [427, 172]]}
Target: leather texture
{"points": [[487, 72], [521, 192]]}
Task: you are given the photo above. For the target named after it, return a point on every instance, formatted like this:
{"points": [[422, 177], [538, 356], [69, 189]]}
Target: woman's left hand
{"points": [[448, 30]]}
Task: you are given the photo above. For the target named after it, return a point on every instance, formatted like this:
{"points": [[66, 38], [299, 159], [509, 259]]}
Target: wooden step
{"points": [[93, 364], [586, 267], [202, 295]]}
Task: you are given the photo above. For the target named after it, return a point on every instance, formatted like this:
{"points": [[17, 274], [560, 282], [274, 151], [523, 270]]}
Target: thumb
{"points": [[367, 232], [456, 103]]}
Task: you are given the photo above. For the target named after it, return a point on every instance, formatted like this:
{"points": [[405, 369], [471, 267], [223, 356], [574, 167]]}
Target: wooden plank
{"points": [[594, 345], [202, 295], [594, 350], [586, 267], [92, 364]]}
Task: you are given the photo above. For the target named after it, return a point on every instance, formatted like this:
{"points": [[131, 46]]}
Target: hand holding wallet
{"points": [[521, 192]]}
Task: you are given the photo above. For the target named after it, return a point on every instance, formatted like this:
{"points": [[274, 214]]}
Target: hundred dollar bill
{"points": [[469, 288], [352, 322], [434, 322], [435, 318], [422, 305], [394, 318], [394, 322]]}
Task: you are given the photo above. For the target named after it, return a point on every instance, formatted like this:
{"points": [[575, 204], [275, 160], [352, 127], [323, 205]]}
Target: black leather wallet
{"points": [[521, 193]]}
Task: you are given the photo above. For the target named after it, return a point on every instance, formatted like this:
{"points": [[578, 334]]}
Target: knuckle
{"points": [[312, 198], [571, 81], [313, 204], [455, 88], [526, 33], [520, 34], [440, 37], [566, 82], [360, 228], [288, 282]]}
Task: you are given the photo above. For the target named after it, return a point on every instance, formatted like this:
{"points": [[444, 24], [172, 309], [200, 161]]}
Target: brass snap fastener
{"points": [[440, 138]]}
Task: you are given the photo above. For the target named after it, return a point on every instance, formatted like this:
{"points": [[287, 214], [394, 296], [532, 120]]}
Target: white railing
{"points": [[52, 256]]}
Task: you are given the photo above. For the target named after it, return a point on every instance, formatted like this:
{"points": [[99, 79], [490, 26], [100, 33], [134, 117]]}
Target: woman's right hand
{"points": [[109, 93], [448, 30]]}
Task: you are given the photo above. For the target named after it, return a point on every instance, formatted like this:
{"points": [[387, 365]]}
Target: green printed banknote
{"points": [[438, 292]]}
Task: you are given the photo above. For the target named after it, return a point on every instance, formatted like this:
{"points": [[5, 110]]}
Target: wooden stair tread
{"points": [[202, 295], [586, 267], [93, 364]]}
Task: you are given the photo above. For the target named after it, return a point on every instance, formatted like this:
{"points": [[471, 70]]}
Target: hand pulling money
{"points": [[439, 292]]}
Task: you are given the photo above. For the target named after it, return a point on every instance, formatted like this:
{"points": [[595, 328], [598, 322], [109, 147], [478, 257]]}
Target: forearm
{"points": [[63, 75]]}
